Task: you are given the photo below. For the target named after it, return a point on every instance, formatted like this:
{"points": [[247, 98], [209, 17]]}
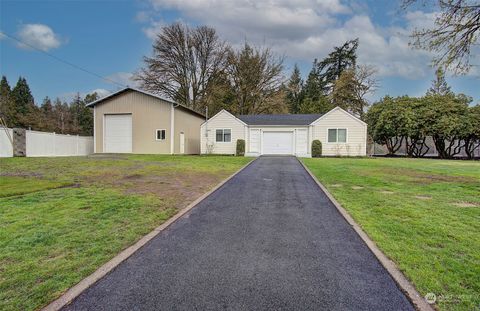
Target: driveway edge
{"points": [[84, 284], [402, 282]]}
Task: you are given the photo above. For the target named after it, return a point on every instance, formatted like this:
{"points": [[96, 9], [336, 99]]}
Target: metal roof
{"points": [[279, 119], [99, 101]]}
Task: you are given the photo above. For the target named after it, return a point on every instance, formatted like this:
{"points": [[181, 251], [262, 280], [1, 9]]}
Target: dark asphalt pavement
{"points": [[269, 239]]}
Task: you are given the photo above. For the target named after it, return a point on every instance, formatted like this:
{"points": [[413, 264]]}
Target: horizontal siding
{"points": [[356, 144], [222, 120]]}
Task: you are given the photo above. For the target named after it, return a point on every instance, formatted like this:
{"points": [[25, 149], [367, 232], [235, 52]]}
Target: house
{"points": [[341, 134], [135, 121]]}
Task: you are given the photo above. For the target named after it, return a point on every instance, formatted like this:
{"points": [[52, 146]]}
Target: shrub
{"points": [[316, 148], [240, 147]]}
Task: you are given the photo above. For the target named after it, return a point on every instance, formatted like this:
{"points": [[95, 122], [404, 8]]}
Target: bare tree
{"points": [[454, 34], [185, 64], [256, 79], [351, 89]]}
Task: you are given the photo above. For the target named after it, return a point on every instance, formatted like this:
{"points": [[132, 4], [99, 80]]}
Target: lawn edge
{"points": [[402, 282], [73, 292]]}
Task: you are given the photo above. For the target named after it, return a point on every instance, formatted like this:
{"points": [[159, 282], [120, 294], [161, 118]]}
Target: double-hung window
{"points": [[223, 135], [160, 134], [337, 135]]}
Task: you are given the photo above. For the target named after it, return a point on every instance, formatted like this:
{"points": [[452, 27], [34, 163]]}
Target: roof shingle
{"points": [[279, 119]]}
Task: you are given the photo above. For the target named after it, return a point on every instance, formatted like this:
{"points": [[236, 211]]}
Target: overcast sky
{"points": [[110, 37]]}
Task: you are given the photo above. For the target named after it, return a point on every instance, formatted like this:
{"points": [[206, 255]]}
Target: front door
{"points": [[182, 143]]}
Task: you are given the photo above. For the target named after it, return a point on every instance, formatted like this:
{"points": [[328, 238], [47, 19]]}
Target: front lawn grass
{"points": [[62, 218], [423, 214]]}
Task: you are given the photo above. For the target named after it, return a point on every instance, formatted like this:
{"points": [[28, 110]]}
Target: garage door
{"points": [[118, 133], [277, 142]]}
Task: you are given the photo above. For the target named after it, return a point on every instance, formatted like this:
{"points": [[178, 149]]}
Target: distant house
{"points": [[135, 121], [341, 134]]}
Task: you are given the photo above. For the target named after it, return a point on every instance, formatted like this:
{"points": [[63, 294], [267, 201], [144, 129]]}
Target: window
{"points": [[223, 135], [161, 134], [337, 135]]}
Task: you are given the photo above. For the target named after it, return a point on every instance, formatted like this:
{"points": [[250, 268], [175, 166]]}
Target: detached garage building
{"points": [[341, 134], [135, 121]]}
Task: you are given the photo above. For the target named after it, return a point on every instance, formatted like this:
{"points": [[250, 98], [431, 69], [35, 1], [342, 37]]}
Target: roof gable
{"points": [[223, 111], [341, 110], [101, 100]]}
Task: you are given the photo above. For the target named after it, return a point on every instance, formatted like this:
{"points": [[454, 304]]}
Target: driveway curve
{"points": [[269, 239]]}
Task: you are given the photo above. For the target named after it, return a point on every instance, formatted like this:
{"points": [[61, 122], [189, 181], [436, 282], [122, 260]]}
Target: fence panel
{"points": [[432, 151], [41, 144], [6, 148]]}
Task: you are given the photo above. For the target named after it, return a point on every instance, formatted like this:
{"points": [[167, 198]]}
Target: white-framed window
{"points": [[223, 135], [337, 135], [160, 134]]}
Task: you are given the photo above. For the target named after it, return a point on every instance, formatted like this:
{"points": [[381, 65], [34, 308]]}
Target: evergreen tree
{"points": [[86, 115], [295, 91], [342, 58], [75, 111], [46, 115], [319, 105], [313, 97], [314, 86], [89, 98], [24, 103], [439, 85], [7, 107]]}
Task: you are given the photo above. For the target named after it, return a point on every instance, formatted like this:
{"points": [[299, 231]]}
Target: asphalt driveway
{"points": [[268, 239]]}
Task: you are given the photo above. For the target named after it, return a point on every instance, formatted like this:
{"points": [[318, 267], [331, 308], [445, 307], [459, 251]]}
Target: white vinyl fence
{"points": [[6, 148], [378, 149], [43, 144]]}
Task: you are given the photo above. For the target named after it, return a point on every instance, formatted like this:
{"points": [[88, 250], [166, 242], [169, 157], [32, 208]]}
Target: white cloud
{"points": [[258, 19], [308, 29], [153, 29], [100, 92], [39, 36], [142, 17], [124, 78]]}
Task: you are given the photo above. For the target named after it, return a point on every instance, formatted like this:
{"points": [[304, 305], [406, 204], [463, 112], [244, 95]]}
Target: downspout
{"points": [[206, 131], [94, 130], [172, 127]]}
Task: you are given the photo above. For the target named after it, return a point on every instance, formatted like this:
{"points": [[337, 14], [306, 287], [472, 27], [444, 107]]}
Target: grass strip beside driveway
{"points": [[423, 214], [80, 212]]}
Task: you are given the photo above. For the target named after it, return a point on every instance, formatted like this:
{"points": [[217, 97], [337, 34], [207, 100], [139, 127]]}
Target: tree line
{"points": [[194, 67], [18, 109], [446, 117]]}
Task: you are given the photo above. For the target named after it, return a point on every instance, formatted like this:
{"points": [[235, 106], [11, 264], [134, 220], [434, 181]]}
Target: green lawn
{"points": [[62, 218], [424, 214]]}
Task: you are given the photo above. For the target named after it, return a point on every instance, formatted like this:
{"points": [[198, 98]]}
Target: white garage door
{"points": [[277, 142], [118, 133]]}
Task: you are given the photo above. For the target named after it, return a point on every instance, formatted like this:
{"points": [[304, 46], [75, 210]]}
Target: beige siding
{"points": [[148, 114], [222, 120], [188, 123], [356, 134]]}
